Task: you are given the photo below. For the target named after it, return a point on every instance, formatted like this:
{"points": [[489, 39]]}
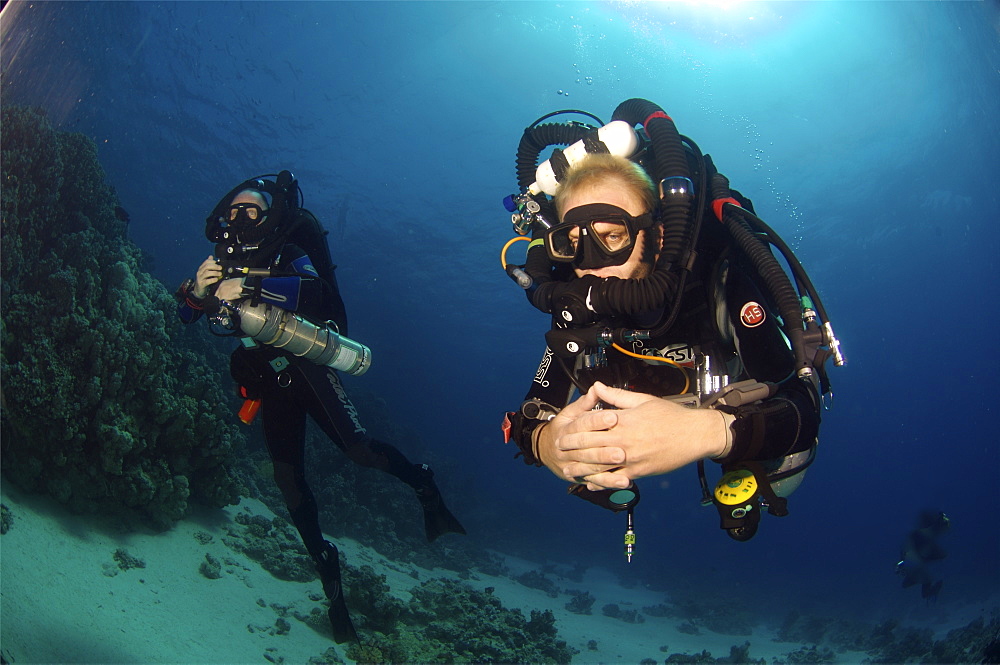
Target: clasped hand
{"points": [[643, 435], [209, 273]]}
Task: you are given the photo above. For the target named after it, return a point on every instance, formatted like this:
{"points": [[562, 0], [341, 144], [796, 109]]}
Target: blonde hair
{"points": [[596, 169]]}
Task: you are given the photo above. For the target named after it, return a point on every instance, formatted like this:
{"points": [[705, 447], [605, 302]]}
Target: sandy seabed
{"points": [[65, 599]]}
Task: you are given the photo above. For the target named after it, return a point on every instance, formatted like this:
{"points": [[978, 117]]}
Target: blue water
{"points": [[865, 133]]}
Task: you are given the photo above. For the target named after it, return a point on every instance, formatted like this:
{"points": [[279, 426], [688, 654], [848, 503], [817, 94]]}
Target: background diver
{"points": [[274, 261], [920, 549]]}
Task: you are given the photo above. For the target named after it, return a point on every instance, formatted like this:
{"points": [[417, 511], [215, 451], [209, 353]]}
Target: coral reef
{"points": [[737, 654], [688, 628], [329, 657], [6, 519], [887, 642], [105, 408], [210, 567], [703, 657], [126, 561], [444, 621], [810, 654], [714, 613], [447, 621], [536, 580], [369, 598], [967, 644], [582, 602], [628, 616], [273, 544], [660, 610]]}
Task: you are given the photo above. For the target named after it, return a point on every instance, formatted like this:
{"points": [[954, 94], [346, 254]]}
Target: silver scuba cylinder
{"points": [[286, 330]]}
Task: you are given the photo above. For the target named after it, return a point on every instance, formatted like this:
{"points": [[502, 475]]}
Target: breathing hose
{"points": [[778, 284], [670, 162], [538, 137]]}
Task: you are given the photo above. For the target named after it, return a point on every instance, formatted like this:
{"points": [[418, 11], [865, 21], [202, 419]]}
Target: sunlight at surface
{"points": [[732, 23], [707, 4]]}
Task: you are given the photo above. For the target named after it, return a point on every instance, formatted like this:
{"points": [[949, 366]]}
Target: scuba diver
{"points": [[920, 549], [271, 283], [673, 322]]}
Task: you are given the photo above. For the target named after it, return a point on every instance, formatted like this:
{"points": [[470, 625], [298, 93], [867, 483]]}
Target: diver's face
{"points": [[247, 207], [614, 194]]}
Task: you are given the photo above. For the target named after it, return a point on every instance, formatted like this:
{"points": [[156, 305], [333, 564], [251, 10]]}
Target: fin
{"points": [[328, 566], [438, 520], [340, 621]]}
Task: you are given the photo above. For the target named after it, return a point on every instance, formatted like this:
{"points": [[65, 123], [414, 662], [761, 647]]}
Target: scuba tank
{"points": [[286, 330]]}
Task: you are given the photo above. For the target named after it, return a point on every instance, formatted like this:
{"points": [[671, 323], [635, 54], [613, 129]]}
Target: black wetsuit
{"points": [[287, 396], [717, 319], [290, 388]]}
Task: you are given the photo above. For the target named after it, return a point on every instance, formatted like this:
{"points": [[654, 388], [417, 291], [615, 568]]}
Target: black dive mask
{"points": [[246, 215], [596, 235]]}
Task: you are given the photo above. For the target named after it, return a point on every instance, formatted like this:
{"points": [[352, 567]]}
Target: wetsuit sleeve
{"points": [[296, 293], [189, 307], [781, 425], [788, 421], [550, 391], [188, 314]]}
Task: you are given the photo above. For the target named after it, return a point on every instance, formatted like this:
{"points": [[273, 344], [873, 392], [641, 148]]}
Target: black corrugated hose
{"points": [[780, 287]]}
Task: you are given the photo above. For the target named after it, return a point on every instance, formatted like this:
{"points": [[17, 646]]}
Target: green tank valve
{"points": [[808, 310], [629, 538]]}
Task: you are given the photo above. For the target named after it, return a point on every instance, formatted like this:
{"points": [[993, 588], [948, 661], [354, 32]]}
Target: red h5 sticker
{"points": [[752, 315]]}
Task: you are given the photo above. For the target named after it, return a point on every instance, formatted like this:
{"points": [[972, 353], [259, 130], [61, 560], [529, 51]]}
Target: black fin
{"points": [[340, 621], [438, 520], [328, 566]]}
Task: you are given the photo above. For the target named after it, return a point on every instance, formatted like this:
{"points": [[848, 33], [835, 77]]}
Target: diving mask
{"points": [[595, 235], [246, 214]]}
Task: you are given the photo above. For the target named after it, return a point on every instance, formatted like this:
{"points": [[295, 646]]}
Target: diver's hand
{"points": [[558, 457], [209, 272], [230, 290], [656, 435]]}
